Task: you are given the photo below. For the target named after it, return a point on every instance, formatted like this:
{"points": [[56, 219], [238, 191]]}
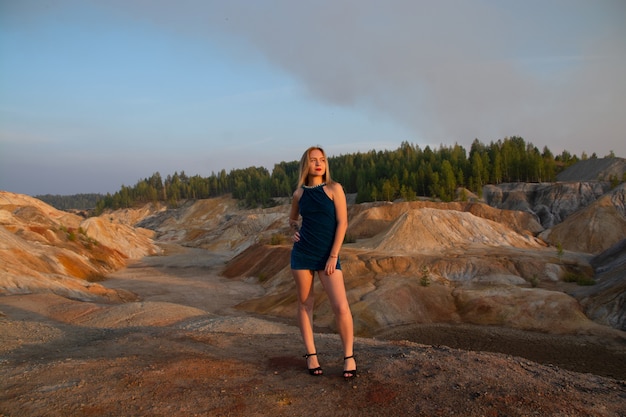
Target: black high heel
{"points": [[313, 371], [352, 373]]}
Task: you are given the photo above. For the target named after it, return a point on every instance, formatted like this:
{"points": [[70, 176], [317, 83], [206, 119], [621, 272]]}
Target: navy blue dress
{"points": [[319, 223]]}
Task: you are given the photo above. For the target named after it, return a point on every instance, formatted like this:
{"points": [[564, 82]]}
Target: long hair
{"points": [[304, 167]]}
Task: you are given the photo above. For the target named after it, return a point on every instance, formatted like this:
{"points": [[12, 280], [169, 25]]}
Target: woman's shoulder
{"points": [[298, 192], [335, 189], [335, 186]]}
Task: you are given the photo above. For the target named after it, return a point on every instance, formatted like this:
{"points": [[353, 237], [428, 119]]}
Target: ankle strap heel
{"points": [[349, 374]]}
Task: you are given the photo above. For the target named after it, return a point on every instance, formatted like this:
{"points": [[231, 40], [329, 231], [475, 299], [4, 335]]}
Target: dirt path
{"points": [[185, 276], [183, 350]]}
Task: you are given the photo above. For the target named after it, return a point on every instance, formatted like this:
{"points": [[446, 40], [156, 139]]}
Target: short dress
{"points": [[317, 233]]}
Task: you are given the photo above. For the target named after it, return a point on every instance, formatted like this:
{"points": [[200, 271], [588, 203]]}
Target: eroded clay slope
{"points": [[46, 250]]}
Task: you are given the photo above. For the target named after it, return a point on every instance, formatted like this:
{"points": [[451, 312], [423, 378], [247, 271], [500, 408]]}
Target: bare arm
{"points": [[294, 213], [341, 214]]}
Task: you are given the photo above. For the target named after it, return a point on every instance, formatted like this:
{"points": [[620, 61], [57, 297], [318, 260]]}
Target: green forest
{"points": [[71, 202], [408, 172]]}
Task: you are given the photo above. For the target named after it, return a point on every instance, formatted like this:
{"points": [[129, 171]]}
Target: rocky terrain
{"points": [[46, 250], [595, 169], [460, 308]]}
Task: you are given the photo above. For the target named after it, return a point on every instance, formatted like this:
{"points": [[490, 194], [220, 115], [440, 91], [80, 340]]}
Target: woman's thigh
{"points": [[304, 283], [335, 289]]}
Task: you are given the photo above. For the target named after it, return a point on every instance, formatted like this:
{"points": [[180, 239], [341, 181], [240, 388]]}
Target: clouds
{"points": [[448, 71], [255, 82], [455, 70]]}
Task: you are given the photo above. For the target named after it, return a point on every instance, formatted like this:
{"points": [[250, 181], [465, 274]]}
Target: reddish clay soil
{"points": [[195, 355]]}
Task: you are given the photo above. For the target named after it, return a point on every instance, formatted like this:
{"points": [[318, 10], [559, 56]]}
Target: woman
{"points": [[322, 204]]}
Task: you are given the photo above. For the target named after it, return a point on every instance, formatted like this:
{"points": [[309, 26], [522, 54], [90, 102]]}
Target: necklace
{"points": [[313, 186]]}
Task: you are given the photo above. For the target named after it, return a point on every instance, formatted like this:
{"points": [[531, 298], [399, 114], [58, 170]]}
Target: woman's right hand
{"points": [[296, 237]]}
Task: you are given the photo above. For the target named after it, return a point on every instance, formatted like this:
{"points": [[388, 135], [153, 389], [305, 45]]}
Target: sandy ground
{"points": [[184, 350]]}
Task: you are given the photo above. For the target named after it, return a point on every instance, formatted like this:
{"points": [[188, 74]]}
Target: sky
{"points": [[96, 94]]}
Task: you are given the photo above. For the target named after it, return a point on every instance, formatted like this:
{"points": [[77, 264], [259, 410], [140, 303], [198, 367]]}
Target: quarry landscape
{"points": [[512, 303]]}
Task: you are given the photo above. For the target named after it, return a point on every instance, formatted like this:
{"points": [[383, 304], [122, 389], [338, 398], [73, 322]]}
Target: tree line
{"points": [[407, 172], [71, 202]]}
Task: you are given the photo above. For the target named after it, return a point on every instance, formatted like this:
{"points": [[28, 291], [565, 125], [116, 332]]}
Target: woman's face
{"points": [[317, 163]]}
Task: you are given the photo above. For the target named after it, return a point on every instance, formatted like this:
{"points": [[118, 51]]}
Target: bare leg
{"points": [[336, 291], [306, 301]]}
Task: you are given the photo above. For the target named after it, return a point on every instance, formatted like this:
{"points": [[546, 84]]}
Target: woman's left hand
{"points": [[331, 265]]}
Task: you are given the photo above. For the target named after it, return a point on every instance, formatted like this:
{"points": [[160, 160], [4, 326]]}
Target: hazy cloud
{"points": [[452, 70]]}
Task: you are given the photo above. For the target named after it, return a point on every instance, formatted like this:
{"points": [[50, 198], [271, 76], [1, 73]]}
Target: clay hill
{"points": [[466, 308]]}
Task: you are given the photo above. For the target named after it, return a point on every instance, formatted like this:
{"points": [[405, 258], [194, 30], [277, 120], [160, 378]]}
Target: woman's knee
{"points": [[342, 309], [306, 304]]}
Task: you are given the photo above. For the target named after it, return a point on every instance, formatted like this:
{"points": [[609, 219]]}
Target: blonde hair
{"points": [[304, 167]]}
